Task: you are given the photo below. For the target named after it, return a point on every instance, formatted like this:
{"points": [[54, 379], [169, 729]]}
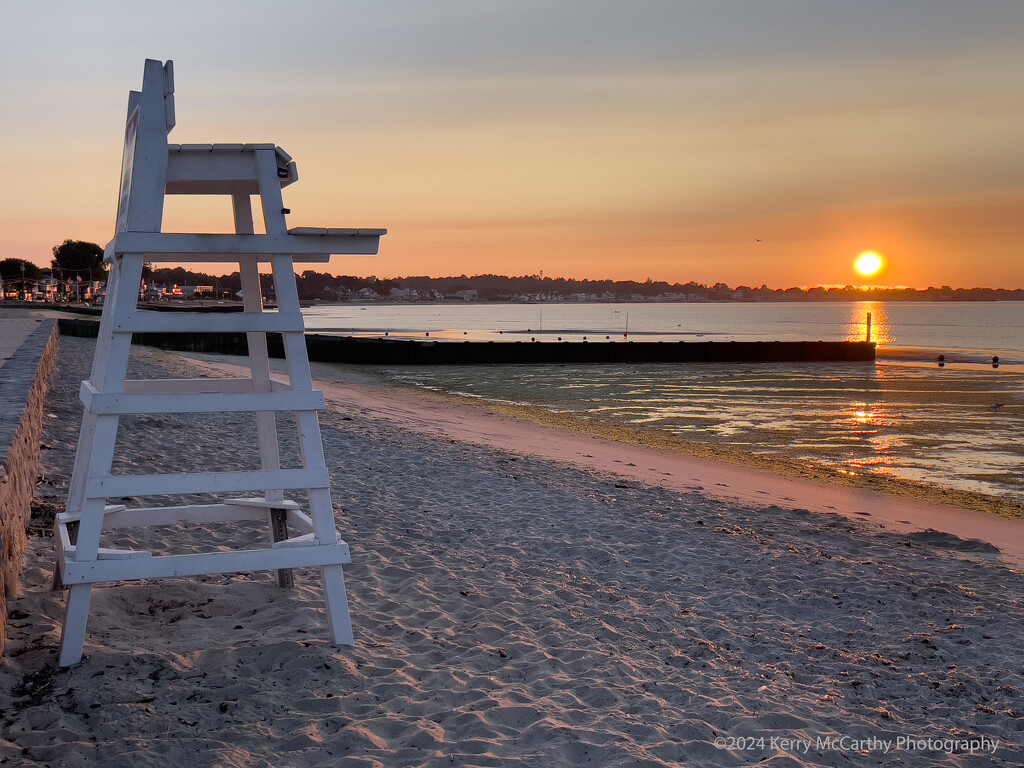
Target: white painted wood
{"points": [[205, 322], [107, 486], [107, 315], [270, 194], [306, 540], [201, 403], [91, 506], [69, 517], [169, 95], [149, 163], [182, 246], [196, 386], [231, 258], [152, 169], [323, 232], [80, 469], [139, 517], [171, 148], [300, 521], [76, 616], [204, 172], [108, 553], [339, 622], [259, 359], [269, 559], [112, 362], [63, 541], [262, 503], [322, 515], [224, 169]]}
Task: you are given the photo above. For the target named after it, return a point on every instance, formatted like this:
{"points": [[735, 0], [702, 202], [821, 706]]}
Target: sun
{"points": [[868, 264]]}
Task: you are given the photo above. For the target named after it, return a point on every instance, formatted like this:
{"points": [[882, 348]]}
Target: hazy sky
{"points": [[743, 141]]}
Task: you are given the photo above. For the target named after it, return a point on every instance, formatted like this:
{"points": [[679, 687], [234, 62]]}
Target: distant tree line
{"points": [[316, 285], [74, 259]]}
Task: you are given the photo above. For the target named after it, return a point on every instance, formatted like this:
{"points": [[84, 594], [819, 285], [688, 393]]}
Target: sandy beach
{"points": [[525, 596]]}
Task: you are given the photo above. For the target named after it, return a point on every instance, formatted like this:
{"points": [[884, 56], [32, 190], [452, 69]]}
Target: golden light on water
{"points": [[857, 323], [868, 264]]}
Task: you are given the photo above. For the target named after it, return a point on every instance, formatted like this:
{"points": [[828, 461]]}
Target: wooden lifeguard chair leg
{"points": [[339, 621], [76, 611], [311, 444], [76, 617], [259, 366], [96, 454]]}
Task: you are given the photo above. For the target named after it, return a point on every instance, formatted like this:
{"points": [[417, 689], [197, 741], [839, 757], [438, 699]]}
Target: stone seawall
{"points": [[23, 382]]}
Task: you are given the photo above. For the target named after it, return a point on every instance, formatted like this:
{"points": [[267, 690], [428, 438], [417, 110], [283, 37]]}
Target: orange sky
{"points": [[721, 140]]}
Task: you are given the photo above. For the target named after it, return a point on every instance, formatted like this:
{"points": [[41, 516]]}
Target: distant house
{"points": [[467, 294], [367, 294], [47, 289]]}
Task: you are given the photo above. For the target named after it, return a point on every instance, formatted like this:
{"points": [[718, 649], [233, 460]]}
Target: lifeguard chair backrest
{"points": [[144, 164]]}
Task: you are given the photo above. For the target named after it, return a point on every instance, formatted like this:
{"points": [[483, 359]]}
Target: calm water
{"points": [[959, 426]]}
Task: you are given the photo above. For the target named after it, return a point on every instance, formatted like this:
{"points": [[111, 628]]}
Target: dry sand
{"points": [[512, 609]]}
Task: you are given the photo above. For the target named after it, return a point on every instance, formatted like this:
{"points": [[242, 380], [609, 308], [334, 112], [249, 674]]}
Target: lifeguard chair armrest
{"points": [[198, 247]]}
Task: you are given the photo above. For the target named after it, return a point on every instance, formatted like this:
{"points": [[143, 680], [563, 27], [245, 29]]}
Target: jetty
{"points": [[350, 350]]}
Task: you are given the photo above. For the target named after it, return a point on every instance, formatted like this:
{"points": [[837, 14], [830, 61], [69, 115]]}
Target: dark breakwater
{"points": [[362, 351]]}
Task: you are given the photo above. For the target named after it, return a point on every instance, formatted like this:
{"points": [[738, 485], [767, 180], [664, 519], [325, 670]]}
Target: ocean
{"points": [[955, 422]]}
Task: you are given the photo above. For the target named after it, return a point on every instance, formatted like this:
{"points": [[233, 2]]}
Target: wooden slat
{"points": [[191, 246], [93, 571], [108, 553], [112, 486], [197, 386], [218, 147], [232, 258], [139, 517], [63, 518], [63, 543], [118, 403], [300, 520], [207, 322], [306, 540], [262, 503], [321, 232]]}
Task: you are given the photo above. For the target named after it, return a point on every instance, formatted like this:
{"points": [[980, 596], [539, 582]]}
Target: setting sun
{"points": [[868, 264]]}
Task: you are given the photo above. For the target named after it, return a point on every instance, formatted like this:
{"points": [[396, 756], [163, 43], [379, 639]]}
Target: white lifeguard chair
{"points": [[150, 169]]}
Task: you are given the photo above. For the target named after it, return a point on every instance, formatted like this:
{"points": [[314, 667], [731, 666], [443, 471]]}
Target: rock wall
{"points": [[23, 382]]}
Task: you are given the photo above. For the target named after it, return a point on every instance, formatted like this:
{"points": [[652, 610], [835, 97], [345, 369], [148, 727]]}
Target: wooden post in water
{"points": [[867, 335]]}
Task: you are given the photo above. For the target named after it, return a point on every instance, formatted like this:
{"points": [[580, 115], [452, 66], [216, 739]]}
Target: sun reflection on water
{"points": [[857, 324], [960, 429]]}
